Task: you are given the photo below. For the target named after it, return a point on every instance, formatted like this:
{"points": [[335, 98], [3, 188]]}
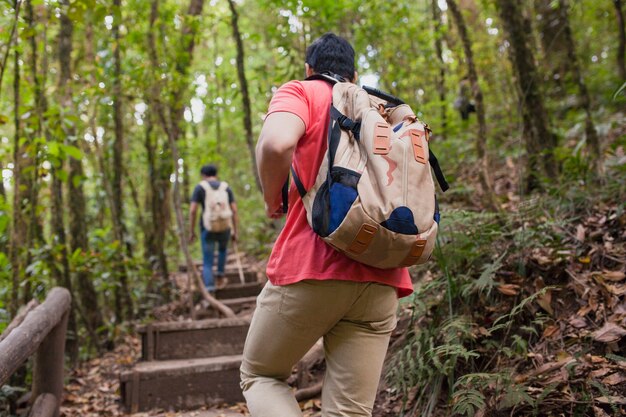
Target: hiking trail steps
{"points": [[186, 365]]}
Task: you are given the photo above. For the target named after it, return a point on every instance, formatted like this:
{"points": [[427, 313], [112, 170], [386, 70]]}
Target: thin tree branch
{"points": [[5, 58]]}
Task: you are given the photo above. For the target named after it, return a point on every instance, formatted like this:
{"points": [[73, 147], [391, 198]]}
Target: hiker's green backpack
{"points": [[374, 196]]}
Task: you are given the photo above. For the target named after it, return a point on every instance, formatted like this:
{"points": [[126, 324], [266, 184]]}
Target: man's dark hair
{"points": [[331, 53], [209, 170]]}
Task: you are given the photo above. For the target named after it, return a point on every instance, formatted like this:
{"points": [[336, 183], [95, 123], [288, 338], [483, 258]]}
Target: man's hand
{"points": [[274, 211], [192, 236], [234, 236]]}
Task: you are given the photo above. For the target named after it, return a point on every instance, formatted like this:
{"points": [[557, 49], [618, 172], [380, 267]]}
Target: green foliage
{"points": [[443, 340], [467, 402], [606, 393], [619, 91], [395, 44], [485, 282]]}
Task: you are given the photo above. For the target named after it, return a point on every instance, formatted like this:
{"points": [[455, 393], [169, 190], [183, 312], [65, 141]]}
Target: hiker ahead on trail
{"points": [[463, 102], [314, 290], [218, 223]]}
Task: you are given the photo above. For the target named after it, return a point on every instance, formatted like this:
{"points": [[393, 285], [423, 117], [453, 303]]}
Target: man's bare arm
{"points": [[235, 231], [277, 141], [193, 209]]}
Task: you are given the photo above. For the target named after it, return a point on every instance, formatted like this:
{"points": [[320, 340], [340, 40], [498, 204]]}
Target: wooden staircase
{"points": [[192, 364]]}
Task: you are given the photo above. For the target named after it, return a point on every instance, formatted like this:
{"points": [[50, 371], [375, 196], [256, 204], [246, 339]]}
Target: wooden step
{"points": [[220, 412], [193, 339], [237, 303], [234, 277], [242, 307], [231, 264], [233, 274], [248, 289], [181, 384]]}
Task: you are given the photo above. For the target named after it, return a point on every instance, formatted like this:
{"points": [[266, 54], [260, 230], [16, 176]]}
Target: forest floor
{"points": [[94, 389], [576, 359], [587, 309]]}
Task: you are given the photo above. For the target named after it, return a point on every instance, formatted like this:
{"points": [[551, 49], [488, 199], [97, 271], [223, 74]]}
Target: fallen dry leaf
{"points": [[615, 289], [600, 372], [580, 233], [550, 331], [614, 379], [545, 302], [508, 289], [578, 322], [597, 359], [598, 412], [546, 368], [611, 399], [610, 332], [584, 311], [614, 275]]}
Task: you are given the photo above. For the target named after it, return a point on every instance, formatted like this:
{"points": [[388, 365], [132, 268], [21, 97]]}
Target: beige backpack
{"points": [[217, 213], [374, 196]]}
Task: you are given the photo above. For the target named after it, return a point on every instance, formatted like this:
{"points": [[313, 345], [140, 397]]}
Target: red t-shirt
{"points": [[299, 253]]}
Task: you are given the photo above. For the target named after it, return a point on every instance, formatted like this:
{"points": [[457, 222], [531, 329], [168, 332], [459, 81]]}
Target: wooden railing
{"points": [[41, 333]]}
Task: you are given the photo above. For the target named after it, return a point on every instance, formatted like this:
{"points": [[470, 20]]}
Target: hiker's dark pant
{"points": [[209, 239], [355, 321]]}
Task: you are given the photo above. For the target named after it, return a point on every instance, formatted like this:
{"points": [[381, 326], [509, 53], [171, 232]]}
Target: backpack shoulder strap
{"points": [[205, 185], [328, 77], [434, 163]]}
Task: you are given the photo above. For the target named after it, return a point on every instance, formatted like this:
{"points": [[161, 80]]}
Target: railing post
{"points": [[49, 363]]}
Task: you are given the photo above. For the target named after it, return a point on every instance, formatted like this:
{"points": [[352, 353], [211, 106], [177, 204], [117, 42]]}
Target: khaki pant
{"points": [[355, 320]]}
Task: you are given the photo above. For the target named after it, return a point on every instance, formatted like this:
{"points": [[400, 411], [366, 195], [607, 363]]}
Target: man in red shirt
{"points": [[314, 291]]}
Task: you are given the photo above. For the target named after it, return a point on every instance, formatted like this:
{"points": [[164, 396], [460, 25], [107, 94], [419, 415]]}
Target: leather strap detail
{"points": [[418, 148], [363, 239], [415, 253], [382, 139]]}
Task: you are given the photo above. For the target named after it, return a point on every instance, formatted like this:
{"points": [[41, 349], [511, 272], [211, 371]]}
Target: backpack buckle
{"points": [[382, 139]]}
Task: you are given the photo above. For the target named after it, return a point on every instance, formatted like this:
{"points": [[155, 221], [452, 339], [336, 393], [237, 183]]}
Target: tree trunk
{"points": [[172, 129], [593, 140], [157, 198], [5, 59], [245, 96], [481, 137], [540, 141], [3, 191], [35, 229], [88, 298], [124, 304], [24, 169], [106, 181], [621, 47], [217, 112], [162, 163], [441, 79], [64, 55], [553, 45], [18, 231], [3, 201]]}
